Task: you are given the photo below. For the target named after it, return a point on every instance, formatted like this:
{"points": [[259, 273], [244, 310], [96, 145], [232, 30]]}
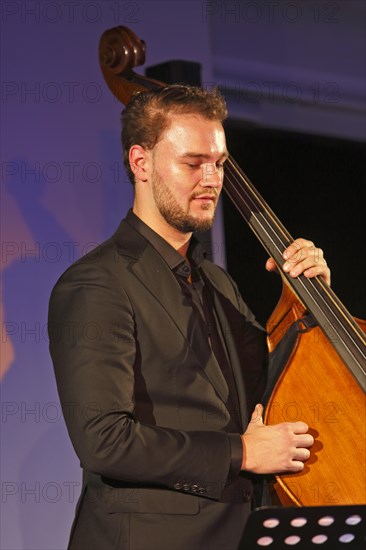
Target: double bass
{"points": [[321, 379]]}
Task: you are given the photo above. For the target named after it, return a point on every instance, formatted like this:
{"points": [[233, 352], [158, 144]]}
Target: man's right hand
{"points": [[275, 449]]}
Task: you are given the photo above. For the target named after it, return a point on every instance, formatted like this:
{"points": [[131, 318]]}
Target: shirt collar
{"points": [[175, 261]]}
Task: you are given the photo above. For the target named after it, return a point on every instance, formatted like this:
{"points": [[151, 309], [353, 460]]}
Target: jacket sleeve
{"points": [[93, 349]]}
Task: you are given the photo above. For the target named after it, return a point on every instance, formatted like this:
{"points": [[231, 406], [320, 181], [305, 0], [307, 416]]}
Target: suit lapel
{"points": [[228, 333]]}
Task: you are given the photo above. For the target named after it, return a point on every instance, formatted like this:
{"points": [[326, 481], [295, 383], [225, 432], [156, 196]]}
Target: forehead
{"points": [[193, 133]]}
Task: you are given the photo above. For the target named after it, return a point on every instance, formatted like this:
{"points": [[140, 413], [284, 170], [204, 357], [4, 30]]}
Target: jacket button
{"points": [[177, 485], [247, 496], [186, 487], [194, 488], [201, 490]]}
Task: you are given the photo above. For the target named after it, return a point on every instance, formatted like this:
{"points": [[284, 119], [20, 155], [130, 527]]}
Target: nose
{"points": [[212, 175]]}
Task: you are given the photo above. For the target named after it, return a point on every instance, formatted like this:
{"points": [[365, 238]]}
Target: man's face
{"points": [[187, 172]]}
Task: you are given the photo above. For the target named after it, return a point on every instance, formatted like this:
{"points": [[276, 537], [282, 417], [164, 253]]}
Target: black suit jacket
{"points": [[144, 400]]}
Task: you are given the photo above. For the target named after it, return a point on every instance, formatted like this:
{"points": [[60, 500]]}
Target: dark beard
{"points": [[173, 213], [185, 223]]}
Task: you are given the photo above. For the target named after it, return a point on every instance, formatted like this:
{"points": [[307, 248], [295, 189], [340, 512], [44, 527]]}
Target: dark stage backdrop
{"points": [[315, 185]]}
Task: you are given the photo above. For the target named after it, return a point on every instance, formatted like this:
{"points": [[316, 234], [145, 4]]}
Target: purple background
{"points": [[290, 65]]}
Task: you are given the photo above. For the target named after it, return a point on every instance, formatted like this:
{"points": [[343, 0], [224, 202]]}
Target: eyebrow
{"points": [[203, 156]]}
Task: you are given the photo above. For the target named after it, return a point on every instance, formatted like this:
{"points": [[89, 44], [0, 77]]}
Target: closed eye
{"points": [[218, 165]]}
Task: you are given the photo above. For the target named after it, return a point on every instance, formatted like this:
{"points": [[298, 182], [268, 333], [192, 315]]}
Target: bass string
{"points": [[349, 338], [260, 203], [258, 208], [261, 207]]}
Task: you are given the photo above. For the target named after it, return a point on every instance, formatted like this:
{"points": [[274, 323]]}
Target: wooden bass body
{"points": [[316, 388]]}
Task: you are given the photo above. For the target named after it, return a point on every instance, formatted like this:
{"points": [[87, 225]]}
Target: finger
{"points": [[299, 427], [301, 454], [296, 466], [294, 251], [302, 249], [308, 270], [302, 254], [319, 270], [311, 260], [257, 415], [305, 440], [271, 265]]}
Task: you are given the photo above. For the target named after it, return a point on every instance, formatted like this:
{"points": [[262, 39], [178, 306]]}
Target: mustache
{"points": [[212, 191]]}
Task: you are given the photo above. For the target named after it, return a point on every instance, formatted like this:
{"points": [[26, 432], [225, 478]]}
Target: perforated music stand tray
{"points": [[306, 528]]}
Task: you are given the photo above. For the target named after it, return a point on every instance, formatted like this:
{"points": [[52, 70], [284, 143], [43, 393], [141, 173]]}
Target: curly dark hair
{"points": [[147, 114]]}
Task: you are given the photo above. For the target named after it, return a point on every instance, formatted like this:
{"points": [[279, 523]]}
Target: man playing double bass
{"points": [[166, 418]]}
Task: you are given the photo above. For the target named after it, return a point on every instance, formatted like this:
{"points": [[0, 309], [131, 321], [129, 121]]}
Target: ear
{"points": [[138, 162]]}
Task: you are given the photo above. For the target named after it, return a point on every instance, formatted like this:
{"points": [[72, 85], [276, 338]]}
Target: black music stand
{"points": [[306, 528]]}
